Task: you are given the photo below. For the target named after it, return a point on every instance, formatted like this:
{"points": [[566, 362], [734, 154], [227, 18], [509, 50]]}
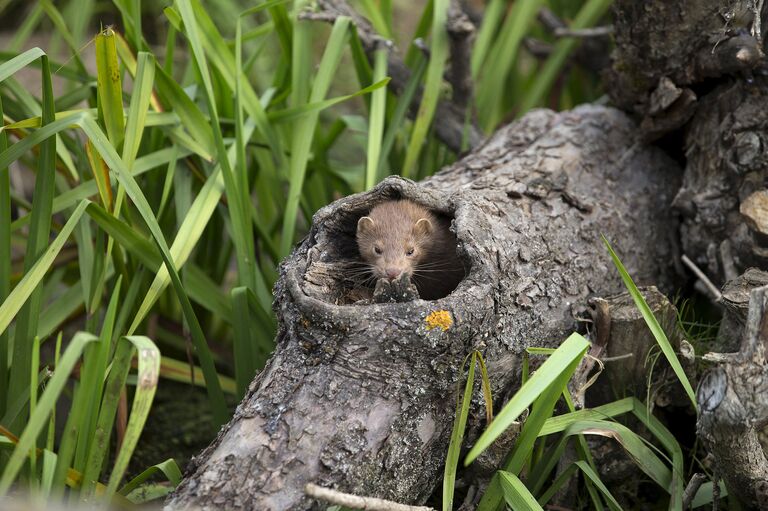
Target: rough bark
{"points": [[698, 66], [361, 397], [733, 401], [628, 341]]}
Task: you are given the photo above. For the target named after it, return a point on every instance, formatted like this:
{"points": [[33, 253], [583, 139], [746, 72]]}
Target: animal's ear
{"points": [[364, 224], [423, 226]]}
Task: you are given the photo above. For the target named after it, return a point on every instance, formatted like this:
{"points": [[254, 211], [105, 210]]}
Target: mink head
{"points": [[395, 237]]}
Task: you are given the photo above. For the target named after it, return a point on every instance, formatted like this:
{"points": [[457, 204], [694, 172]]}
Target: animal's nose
{"points": [[393, 273]]}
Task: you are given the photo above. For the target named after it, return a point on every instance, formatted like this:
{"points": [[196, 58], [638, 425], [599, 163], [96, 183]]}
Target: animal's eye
{"points": [[409, 252], [377, 250]]}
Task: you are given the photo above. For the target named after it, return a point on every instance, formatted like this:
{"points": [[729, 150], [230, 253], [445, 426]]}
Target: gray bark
{"points": [[733, 400], [698, 66], [361, 397]]}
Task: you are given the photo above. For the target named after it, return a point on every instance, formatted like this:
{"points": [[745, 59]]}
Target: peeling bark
{"points": [[361, 397]]}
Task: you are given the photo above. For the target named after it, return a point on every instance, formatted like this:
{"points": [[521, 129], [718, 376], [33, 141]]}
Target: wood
{"points": [[733, 403], [361, 398]]}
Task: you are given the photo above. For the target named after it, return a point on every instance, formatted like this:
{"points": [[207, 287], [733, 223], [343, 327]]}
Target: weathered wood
{"points": [[696, 68], [629, 340], [733, 402], [361, 397]]}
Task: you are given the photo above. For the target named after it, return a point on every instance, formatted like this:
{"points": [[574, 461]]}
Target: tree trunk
{"points": [[362, 397]]}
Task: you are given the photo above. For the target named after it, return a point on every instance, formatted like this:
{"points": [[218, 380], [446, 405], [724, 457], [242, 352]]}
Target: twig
{"points": [[714, 291], [365, 503], [460, 34], [617, 357], [584, 32], [726, 259], [693, 486], [757, 9]]}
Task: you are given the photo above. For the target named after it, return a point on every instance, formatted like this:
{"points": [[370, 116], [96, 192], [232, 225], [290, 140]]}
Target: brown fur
{"points": [[397, 227]]}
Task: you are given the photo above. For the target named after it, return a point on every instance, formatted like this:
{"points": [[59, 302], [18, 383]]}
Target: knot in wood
{"points": [[712, 390]]}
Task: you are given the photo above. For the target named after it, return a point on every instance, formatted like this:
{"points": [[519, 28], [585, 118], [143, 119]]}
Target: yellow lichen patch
{"points": [[439, 319]]}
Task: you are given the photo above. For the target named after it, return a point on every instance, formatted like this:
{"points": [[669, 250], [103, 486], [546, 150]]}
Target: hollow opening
{"points": [[338, 274]]}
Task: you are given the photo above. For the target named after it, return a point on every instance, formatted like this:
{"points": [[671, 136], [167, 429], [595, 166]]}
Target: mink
{"points": [[400, 237]]}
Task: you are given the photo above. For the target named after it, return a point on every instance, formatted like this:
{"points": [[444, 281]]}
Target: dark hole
{"points": [[343, 278]]}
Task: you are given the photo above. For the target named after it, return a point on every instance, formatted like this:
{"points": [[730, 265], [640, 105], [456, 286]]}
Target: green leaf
{"points": [[5, 264], [376, 123], [149, 365], [437, 58], [589, 14], [457, 435], [34, 276], [653, 325], [39, 418], [168, 468], [547, 375], [37, 241], [19, 62], [494, 73], [216, 397], [139, 107], [305, 127], [516, 494], [110, 87]]}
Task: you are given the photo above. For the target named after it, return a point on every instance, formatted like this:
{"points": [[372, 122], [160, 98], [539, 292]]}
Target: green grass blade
{"points": [[492, 18], [44, 407], [561, 422], [190, 115], [435, 70], [590, 13], [137, 111], [290, 114], [99, 448], [46, 476], [491, 89], [305, 127], [248, 273], [176, 370], [37, 241], [110, 88], [613, 504], [34, 276], [374, 13], [216, 397], [187, 237], [457, 435], [516, 494], [672, 446], [558, 483], [376, 124], [401, 110], [653, 325], [493, 496], [149, 365], [705, 496], [168, 468], [541, 411], [99, 370], [5, 265], [548, 373], [19, 62], [243, 349]]}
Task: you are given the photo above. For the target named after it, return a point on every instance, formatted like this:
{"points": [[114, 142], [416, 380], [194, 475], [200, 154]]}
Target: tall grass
{"points": [[174, 164]]}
